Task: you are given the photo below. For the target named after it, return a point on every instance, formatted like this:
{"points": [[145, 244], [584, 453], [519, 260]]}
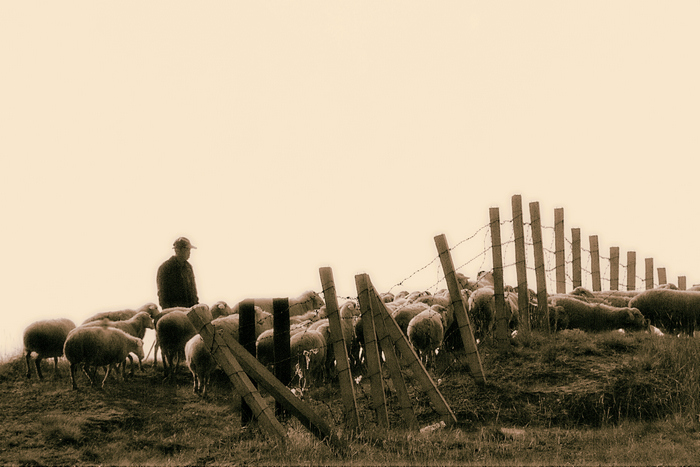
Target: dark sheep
{"points": [[671, 310], [46, 338], [571, 313]]}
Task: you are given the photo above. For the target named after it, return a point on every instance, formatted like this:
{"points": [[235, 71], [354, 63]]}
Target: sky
{"points": [[282, 137]]}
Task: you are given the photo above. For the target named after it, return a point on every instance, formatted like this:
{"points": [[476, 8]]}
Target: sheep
{"points": [[200, 362], [307, 301], [671, 310], [482, 310], [122, 315], [173, 330], [308, 351], [403, 314], [135, 326], [230, 323], [219, 309], [95, 346], [156, 318], [46, 338], [264, 345], [426, 331], [570, 313]]}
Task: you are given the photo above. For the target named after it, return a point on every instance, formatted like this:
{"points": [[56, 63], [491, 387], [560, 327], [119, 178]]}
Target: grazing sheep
{"points": [[571, 313], [173, 330], [482, 311], [200, 362], [403, 314], [122, 315], [264, 345], [156, 318], [220, 309], [307, 301], [93, 346], [46, 338], [135, 326], [426, 332], [674, 311], [308, 351]]}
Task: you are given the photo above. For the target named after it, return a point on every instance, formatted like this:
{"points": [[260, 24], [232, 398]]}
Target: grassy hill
{"points": [[580, 398]]}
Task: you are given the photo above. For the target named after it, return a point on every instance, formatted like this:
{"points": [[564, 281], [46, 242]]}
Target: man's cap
{"points": [[183, 242]]}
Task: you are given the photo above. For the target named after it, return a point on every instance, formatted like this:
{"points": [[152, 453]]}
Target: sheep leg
{"points": [[55, 368], [72, 375], [37, 362], [29, 364], [109, 368], [90, 378]]}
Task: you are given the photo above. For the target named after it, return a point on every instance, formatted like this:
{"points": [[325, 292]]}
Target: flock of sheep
{"points": [[108, 339]]}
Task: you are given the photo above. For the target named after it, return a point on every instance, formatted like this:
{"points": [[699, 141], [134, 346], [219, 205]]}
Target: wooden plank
{"points": [[682, 284], [347, 388], [520, 256], [460, 310], [536, 226], [649, 273], [631, 270], [281, 345], [410, 359], [595, 263], [559, 252], [374, 369], [662, 276], [200, 316], [576, 280], [231, 353], [392, 363], [500, 332], [614, 268], [247, 339]]}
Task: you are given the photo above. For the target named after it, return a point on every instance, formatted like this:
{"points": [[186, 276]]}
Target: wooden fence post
{"points": [[500, 333], [347, 389], [372, 357], [614, 268], [682, 282], [281, 345], [247, 339], [649, 273], [520, 255], [542, 306], [595, 263], [460, 310], [662, 276], [631, 270], [559, 249], [576, 257]]}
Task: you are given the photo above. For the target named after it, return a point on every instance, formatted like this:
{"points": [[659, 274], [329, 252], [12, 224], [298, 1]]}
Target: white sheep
{"points": [[135, 326], [200, 362], [46, 338], [156, 318], [122, 315], [307, 301], [93, 346], [173, 330], [426, 331], [220, 309], [308, 351]]}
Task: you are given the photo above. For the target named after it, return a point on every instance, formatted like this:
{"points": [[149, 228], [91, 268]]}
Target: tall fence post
{"points": [[536, 226], [559, 249], [595, 263], [631, 270], [282, 352], [460, 310], [662, 276], [247, 338], [501, 328], [576, 257], [342, 363], [649, 273], [614, 268], [682, 282], [520, 255]]}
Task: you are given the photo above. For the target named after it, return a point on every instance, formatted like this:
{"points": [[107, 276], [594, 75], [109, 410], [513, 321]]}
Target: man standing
{"points": [[176, 285]]}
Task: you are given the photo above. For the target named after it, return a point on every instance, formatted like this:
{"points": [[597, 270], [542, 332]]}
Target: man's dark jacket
{"points": [[176, 286]]}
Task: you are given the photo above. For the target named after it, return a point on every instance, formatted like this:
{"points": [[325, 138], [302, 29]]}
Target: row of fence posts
{"points": [[501, 323]]}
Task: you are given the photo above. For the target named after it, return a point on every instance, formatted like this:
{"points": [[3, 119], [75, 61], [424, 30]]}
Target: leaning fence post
{"points": [[595, 263], [501, 329], [649, 273], [662, 276], [681, 282], [520, 255], [247, 338], [576, 260], [374, 369], [281, 345], [347, 389], [631, 270], [614, 268], [559, 249], [536, 227], [460, 310]]}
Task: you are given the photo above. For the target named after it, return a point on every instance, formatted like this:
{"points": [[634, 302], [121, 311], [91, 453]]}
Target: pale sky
{"points": [[281, 137]]}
